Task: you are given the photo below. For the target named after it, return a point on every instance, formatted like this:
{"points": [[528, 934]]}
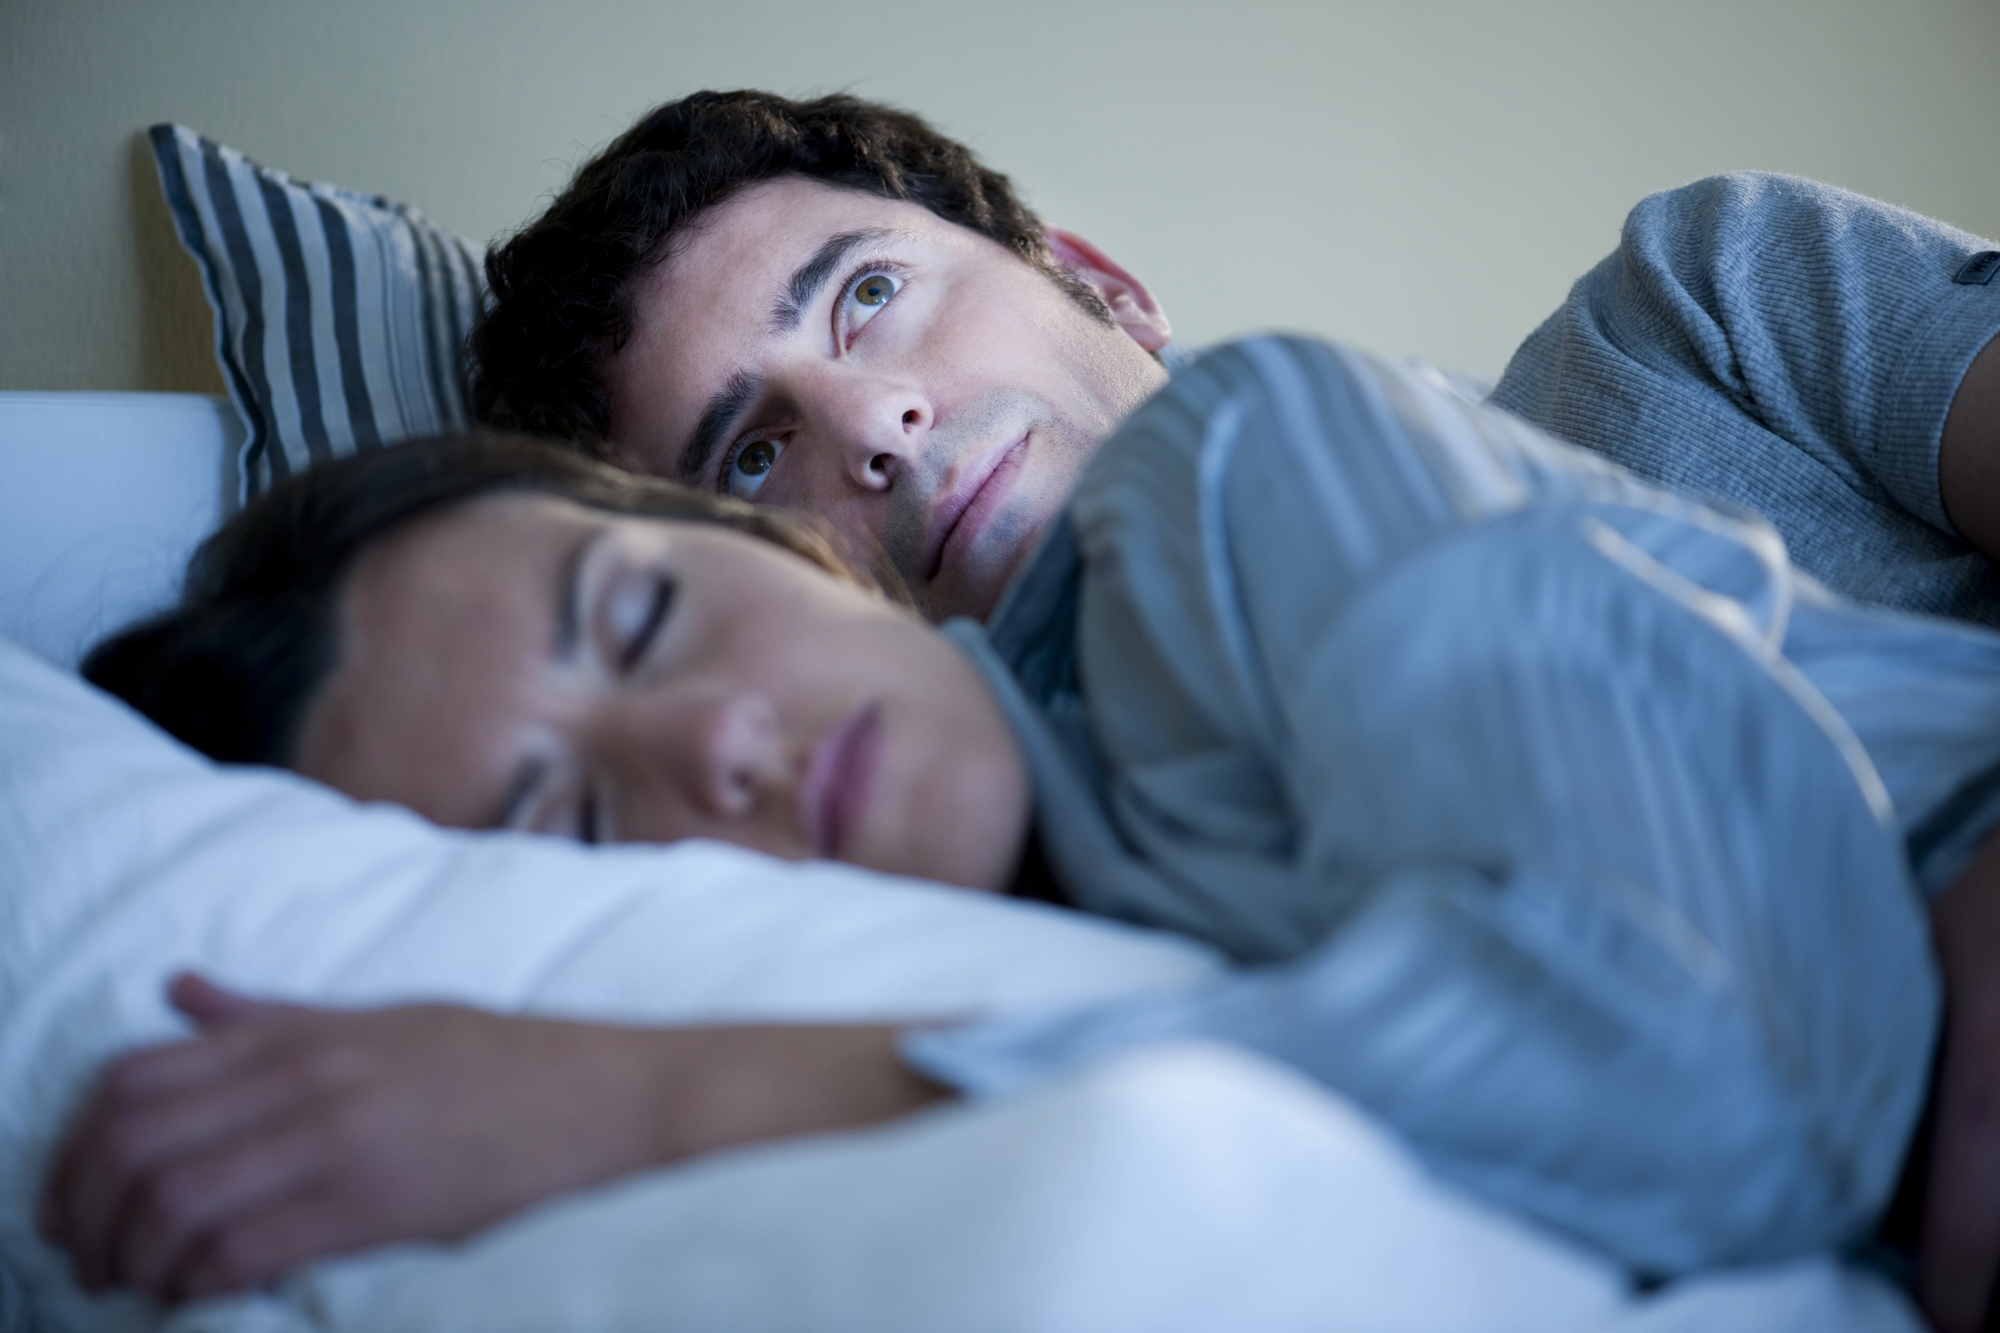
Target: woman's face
{"points": [[524, 662]]}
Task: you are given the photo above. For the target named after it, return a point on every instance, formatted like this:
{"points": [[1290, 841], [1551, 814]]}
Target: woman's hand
{"points": [[283, 1133]]}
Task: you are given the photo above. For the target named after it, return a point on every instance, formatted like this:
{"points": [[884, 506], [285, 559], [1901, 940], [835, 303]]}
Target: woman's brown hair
{"points": [[232, 669]]}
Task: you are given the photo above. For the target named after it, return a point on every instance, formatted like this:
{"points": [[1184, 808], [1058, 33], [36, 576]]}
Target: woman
{"points": [[1553, 818]]}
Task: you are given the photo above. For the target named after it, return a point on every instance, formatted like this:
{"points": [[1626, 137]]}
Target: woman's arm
{"points": [[283, 1133]]}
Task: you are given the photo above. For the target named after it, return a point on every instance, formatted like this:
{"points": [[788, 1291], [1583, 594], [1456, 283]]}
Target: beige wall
{"points": [[1424, 176]]}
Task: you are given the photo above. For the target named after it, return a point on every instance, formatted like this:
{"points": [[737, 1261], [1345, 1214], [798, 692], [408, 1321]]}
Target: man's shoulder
{"points": [[1171, 424], [1033, 629], [1265, 403]]}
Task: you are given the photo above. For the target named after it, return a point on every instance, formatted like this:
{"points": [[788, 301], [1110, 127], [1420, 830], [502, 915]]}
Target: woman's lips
{"points": [[965, 515], [839, 778]]}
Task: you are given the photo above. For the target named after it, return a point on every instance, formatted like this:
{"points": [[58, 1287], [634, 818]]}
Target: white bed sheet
{"points": [[1178, 1188], [126, 857], [1173, 1189], [102, 498], [1184, 1189]]}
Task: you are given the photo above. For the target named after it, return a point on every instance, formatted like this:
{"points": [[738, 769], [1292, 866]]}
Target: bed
{"points": [[1183, 1187]]}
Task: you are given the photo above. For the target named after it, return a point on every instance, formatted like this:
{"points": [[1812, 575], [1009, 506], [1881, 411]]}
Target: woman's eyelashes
{"points": [[635, 611], [590, 817]]}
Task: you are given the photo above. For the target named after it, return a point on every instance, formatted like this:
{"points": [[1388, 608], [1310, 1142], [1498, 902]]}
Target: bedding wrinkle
{"points": [[1568, 847]]}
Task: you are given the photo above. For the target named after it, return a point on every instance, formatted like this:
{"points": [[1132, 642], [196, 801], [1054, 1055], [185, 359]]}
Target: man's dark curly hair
{"points": [[562, 287]]}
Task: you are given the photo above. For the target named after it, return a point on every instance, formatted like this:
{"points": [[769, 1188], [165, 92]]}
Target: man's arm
{"points": [[284, 1133], [1969, 454], [1960, 1244], [1793, 348]]}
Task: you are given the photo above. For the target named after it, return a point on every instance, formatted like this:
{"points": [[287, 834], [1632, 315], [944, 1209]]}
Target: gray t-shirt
{"points": [[1790, 348]]}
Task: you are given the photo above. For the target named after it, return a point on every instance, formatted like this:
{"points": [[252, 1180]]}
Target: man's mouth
{"points": [[963, 514], [839, 777]]}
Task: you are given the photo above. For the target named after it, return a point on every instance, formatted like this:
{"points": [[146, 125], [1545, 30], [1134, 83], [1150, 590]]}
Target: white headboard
{"points": [[102, 498]]}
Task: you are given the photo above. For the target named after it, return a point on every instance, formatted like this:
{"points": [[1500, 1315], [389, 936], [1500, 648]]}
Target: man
{"points": [[833, 307], [852, 317], [829, 305]]}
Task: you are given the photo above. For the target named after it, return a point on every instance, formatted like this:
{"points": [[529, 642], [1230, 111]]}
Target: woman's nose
{"points": [[717, 751]]}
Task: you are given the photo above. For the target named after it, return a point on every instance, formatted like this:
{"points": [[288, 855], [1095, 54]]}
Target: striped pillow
{"points": [[340, 318]]}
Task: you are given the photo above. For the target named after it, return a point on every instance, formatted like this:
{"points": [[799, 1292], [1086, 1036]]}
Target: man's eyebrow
{"points": [[801, 288], [812, 275], [716, 419]]}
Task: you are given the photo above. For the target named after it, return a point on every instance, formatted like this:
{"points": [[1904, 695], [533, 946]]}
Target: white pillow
{"points": [[1177, 1187], [102, 498], [125, 857], [1174, 1188]]}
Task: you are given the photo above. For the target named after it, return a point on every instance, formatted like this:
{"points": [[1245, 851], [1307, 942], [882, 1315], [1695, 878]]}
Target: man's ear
{"points": [[1132, 306]]}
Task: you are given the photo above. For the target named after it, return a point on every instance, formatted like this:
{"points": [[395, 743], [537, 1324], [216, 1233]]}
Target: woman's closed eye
{"points": [[564, 810], [635, 611], [590, 817]]}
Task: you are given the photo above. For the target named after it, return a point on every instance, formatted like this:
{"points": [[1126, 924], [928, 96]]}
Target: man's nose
{"points": [[877, 427]]}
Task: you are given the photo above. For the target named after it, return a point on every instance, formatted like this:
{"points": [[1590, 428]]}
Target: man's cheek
{"points": [[799, 481]]}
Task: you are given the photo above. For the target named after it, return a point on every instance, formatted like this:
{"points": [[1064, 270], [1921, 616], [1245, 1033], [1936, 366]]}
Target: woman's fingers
{"points": [[397, 1116], [152, 1110], [169, 1211], [213, 1007], [80, 1196], [286, 1134], [129, 1162], [162, 1071], [258, 1247], [100, 1127]]}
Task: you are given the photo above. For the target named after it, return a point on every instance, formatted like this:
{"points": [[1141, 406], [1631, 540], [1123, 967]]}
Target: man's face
{"points": [[901, 376]]}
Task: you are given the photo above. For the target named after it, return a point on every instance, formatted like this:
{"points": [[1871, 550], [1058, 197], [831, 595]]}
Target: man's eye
{"points": [[868, 296], [743, 475]]}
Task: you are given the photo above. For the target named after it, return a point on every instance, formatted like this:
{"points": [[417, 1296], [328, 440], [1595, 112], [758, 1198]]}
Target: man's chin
{"points": [[976, 588], [945, 599]]}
